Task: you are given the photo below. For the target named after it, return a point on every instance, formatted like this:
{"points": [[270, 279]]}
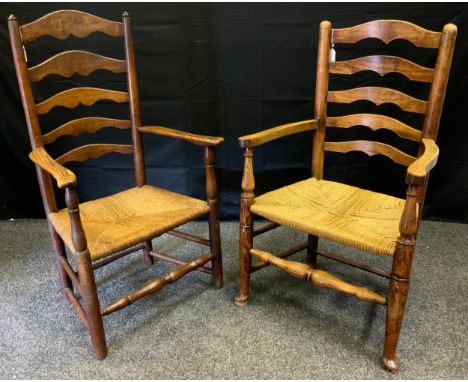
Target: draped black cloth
{"points": [[230, 70]]}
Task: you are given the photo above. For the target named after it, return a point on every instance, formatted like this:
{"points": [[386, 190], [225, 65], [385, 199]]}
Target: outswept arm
{"points": [[419, 169], [200, 140], [67, 180], [415, 176], [64, 177], [264, 136]]}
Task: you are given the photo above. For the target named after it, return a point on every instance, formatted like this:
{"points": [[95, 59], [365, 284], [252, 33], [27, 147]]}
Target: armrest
{"points": [[62, 175], [200, 140], [419, 169], [264, 136]]}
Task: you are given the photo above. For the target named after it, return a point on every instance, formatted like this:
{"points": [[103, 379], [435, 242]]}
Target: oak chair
{"points": [[363, 219], [100, 231]]}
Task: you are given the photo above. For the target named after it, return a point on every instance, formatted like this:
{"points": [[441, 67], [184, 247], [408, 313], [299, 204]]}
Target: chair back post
{"points": [[437, 96], [138, 154], [27, 98], [320, 102], [439, 84]]}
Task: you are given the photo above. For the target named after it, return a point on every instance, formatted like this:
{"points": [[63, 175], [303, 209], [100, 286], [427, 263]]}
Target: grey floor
{"points": [[290, 330]]}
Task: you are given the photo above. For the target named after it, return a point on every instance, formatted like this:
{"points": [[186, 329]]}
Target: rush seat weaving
{"points": [[119, 221], [348, 215]]}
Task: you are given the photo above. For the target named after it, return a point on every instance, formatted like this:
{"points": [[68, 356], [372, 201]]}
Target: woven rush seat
{"points": [[348, 215], [119, 221]]}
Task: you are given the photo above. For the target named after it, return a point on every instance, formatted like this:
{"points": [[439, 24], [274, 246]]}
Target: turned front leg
{"points": [[86, 276], [399, 281], [245, 229], [213, 218]]}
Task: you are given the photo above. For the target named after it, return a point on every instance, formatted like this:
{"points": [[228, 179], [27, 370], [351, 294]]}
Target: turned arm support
{"points": [[67, 180], [268, 135], [77, 232], [419, 169], [415, 177], [252, 140], [199, 140], [210, 176], [64, 177]]}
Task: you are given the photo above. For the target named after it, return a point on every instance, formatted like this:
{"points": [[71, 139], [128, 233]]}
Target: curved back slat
{"points": [[96, 150], [88, 124], [375, 122], [388, 30], [75, 61], [86, 96], [371, 148], [379, 95], [383, 65], [61, 24]]}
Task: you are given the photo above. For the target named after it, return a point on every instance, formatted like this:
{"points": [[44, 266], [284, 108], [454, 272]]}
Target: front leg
{"points": [[86, 277], [213, 219], [246, 229], [399, 282]]}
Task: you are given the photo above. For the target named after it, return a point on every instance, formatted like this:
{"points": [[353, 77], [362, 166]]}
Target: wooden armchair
{"points": [[103, 230], [366, 220]]}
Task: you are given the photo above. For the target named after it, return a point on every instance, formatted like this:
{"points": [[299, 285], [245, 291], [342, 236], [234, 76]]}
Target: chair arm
{"points": [[200, 140], [264, 136], [419, 169], [63, 176]]}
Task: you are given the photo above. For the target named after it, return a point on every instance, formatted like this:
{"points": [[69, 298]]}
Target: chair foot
{"points": [[241, 301], [101, 353], [148, 261], [391, 365], [218, 282]]}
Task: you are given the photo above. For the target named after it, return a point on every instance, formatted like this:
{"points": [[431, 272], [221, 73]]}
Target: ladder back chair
{"points": [[100, 231], [370, 221]]}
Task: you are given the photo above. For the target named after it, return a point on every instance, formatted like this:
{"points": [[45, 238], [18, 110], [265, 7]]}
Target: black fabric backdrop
{"points": [[229, 70]]}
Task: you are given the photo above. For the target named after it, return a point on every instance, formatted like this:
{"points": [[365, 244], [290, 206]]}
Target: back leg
{"points": [[147, 258], [312, 250]]}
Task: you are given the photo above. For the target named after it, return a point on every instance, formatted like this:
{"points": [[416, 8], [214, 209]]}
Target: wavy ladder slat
{"points": [[384, 65], [86, 96], [387, 31], [95, 150], [378, 96], [318, 277], [371, 148], [88, 124], [75, 61], [61, 24], [375, 122]]}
